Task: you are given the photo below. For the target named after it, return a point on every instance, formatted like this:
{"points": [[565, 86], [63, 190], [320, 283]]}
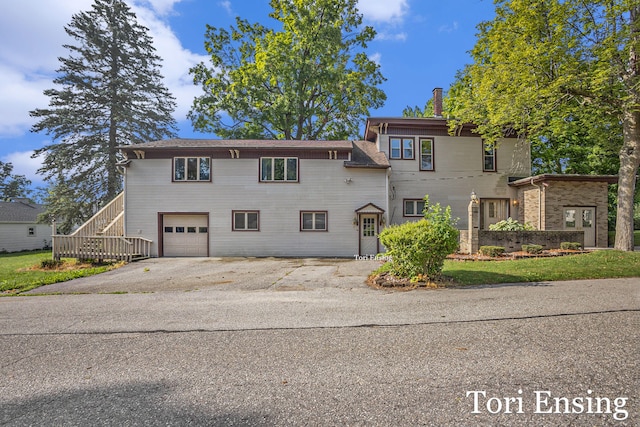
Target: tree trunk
{"points": [[629, 164]]}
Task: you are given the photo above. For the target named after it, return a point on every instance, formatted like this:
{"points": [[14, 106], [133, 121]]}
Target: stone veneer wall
{"points": [[512, 241]]}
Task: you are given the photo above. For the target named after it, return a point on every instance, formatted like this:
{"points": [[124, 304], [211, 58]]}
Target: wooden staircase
{"points": [[102, 238]]}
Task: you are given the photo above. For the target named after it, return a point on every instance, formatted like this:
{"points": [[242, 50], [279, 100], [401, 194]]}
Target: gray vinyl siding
{"points": [[235, 186], [458, 171], [14, 236]]}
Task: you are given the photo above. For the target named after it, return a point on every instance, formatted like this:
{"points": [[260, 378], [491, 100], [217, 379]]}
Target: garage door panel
{"points": [[185, 235]]}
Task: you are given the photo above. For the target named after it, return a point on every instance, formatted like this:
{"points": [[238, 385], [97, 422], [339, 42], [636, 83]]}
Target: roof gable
{"points": [[20, 211]]}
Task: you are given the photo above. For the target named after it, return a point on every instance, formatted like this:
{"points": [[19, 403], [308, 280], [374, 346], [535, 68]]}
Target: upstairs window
{"points": [[489, 158], [192, 169], [402, 148], [278, 169], [426, 155]]}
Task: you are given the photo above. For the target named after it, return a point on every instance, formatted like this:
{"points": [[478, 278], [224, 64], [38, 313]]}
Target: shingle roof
{"points": [[239, 143], [366, 154], [20, 211]]}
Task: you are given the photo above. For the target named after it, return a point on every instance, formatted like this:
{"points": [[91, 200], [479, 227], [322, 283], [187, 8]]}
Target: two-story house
{"points": [[195, 197]]}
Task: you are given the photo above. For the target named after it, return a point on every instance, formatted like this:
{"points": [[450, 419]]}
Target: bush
{"points": [[51, 264], [570, 246], [509, 224], [492, 251], [420, 248], [532, 249]]}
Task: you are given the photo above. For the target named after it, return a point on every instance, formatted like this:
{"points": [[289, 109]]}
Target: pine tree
{"points": [[110, 94]]}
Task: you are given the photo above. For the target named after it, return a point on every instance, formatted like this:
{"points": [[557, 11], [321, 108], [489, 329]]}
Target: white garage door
{"points": [[185, 235]]}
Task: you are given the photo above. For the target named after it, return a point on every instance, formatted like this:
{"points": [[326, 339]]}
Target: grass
{"points": [[595, 265], [21, 272], [636, 237]]}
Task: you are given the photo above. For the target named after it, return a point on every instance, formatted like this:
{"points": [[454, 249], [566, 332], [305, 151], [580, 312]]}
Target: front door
{"points": [[493, 211], [582, 219], [368, 234]]}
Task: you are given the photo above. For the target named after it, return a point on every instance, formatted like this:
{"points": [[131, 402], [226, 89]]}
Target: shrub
{"points": [[492, 251], [509, 224], [570, 246], [51, 264], [532, 249], [420, 248]]}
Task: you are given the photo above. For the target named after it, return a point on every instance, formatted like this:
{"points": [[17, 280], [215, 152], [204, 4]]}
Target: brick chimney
{"points": [[437, 102]]}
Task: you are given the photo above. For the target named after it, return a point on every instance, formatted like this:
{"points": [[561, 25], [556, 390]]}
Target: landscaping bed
{"points": [[515, 255]]}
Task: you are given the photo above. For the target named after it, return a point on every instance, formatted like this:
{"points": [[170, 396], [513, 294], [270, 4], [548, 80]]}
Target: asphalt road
{"points": [[305, 342]]}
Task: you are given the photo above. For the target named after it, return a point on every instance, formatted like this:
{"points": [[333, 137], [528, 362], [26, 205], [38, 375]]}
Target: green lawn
{"points": [[594, 265], [636, 238], [17, 275]]}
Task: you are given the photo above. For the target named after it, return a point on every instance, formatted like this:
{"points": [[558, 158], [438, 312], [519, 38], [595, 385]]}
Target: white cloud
{"points": [[33, 37], [389, 11], [376, 57], [448, 28], [23, 164], [226, 5], [391, 36]]}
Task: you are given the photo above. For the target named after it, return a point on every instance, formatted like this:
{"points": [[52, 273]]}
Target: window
{"points": [[246, 221], [489, 158], [413, 207], [402, 148], [281, 169], [31, 231], [313, 221], [179, 229], [426, 155], [168, 229], [191, 169]]}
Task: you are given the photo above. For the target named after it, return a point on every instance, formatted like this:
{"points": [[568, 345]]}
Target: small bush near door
{"points": [[570, 246], [492, 251], [532, 249], [418, 249]]}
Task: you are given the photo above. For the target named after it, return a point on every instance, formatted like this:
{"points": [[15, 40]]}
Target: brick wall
{"points": [[556, 195]]}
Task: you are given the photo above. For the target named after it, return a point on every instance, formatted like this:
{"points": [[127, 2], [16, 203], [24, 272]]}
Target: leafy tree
{"points": [[309, 80], [110, 94], [12, 186], [565, 75]]}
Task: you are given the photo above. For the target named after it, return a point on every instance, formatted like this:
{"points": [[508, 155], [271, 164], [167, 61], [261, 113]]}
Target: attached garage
{"points": [[184, 235]]}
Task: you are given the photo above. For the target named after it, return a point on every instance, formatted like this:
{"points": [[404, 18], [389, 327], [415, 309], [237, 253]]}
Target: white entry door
{"points": [[582, 219], [368, 235], [493, 211]]}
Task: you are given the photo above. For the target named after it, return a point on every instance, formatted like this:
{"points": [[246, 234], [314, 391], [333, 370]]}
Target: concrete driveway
{"points": [[246, 274]]}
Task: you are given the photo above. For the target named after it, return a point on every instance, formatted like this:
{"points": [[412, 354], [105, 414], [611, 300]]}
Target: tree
{"points": [[111, 94], [309, 80], [566, 74], [12, 186]]}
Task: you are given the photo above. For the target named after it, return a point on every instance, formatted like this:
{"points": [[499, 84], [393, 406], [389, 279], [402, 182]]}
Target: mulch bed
{"points": [[514, 255]]}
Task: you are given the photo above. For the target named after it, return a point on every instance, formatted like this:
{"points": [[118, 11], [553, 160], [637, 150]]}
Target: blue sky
{"points": [[420, 45]]}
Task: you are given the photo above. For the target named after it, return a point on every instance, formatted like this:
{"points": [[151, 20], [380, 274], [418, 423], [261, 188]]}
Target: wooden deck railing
{"points": [[102, 219], [101, 247]]}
